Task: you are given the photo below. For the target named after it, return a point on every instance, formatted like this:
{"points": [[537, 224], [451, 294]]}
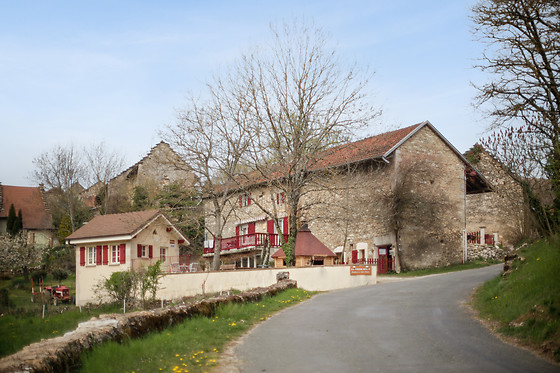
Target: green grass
{"points": [[22, 324], [192, 346], [450, 268], [526, 303]]}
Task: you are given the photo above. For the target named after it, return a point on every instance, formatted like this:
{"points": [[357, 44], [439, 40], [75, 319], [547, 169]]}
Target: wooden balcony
{"points": [[246, 241]]}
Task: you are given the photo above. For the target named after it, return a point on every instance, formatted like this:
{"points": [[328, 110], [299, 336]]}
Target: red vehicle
{"points": [[59, 294]]}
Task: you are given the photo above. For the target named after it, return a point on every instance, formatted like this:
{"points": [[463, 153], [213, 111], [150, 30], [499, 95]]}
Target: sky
{"points": [[82, 72]]}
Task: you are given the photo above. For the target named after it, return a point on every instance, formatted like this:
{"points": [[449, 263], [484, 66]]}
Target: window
{"points": [[162, 252], [280, 198], [244, 200], [115, 259], [91, 258], [144, 251]]}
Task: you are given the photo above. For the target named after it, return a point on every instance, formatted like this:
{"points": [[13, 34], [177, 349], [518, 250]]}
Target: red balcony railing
{"points": [[246, 240]]}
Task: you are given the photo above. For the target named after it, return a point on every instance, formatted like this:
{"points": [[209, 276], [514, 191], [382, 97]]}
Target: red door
{"points": [[385, 261]]}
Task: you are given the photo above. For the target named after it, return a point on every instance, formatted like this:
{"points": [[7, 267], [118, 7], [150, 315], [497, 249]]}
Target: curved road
{"points": [[414, 325]]}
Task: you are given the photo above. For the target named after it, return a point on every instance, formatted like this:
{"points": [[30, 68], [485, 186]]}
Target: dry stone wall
{"points": [[62, 354]]}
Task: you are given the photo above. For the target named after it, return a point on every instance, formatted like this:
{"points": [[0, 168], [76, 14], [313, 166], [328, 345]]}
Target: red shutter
{"points": [[354, 256], [248, 201], [105, 255], [240, 201], [123, 253], [82, 256], [270, 226], [99, 258], [139, 251], [252, 228], [151, 251], [237, 231], [286, 228]]}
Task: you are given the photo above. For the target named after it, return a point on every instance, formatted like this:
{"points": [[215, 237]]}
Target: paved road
{"points": [[416, 325]]}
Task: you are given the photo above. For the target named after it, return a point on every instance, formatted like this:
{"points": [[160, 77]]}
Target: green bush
{"points": [[119, 286], [59, 274]]}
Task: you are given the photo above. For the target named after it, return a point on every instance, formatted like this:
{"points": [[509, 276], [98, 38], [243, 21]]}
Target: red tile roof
{"points": [[368, 148], [307, 245], [114, 224], [30, 201]]}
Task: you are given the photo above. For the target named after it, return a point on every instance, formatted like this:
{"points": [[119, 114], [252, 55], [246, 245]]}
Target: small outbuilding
{"points": [[309, 251]]}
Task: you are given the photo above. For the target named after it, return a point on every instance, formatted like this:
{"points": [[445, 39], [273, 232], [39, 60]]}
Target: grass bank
{"points": [[525, 304], [193, 346], [22, 322], [451, 268]]}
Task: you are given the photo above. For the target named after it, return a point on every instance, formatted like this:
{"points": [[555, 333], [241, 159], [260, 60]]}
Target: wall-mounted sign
{"points": [[360, 270], [382, 251]]}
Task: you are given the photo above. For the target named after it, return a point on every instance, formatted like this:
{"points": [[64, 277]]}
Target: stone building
{"points": [[37, 220], [500, 213], [160, 167], [399, 196]]}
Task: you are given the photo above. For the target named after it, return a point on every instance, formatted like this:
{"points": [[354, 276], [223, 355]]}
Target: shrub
{"points": [[59, 274], [119, 286]]}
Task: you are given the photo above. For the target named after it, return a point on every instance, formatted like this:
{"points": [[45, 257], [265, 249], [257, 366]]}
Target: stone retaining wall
{"points": [[475, 251], [62, 354]]}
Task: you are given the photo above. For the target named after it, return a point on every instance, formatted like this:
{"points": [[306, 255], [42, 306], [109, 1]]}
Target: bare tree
{"points": [[103, 164], [212, 145], [298, 101], [523, 95], [61, 170]]}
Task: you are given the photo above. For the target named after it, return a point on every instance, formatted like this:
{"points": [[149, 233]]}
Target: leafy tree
{"points": [[522, 97], [17, 255], [64, 228], [18, 225], [11, 222], [140, 199]]}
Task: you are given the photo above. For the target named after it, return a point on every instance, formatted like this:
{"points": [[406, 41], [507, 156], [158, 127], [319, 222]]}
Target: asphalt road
{"points": [[415, 325]]}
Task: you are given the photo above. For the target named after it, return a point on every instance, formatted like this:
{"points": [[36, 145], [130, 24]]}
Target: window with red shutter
{"points": [[123, 253], [82, 256], [105, 255], [99, 258], [151, 251], [139, 251]]}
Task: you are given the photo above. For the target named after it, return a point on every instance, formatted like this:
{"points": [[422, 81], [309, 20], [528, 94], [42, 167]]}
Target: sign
{"points": [[360, 270], [382, 251]]}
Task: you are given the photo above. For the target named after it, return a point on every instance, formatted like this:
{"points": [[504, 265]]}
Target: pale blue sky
{"points": [[72, 72]]}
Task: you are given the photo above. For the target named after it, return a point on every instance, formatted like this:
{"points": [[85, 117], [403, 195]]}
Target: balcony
{"points": [[246, 241]]}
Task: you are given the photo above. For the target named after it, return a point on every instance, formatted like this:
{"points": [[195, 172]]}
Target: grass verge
{"points": [[18, 331], [526, 303], [193, 346], [451, 268]]}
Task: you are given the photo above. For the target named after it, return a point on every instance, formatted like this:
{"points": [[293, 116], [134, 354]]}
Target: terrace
{"points": [[246, 242]]}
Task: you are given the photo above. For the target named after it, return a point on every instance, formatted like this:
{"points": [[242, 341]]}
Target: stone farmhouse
{"points": [[498, 215], [37, 220], [399, 197], [160, 167], [122, 242]]}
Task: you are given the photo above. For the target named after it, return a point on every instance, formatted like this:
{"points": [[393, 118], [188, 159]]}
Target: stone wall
{"points": [[62, 354], [432, 184], [500, 211], [475, 251]]}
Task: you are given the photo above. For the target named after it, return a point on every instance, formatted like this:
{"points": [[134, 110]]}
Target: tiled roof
{"points": [[114, 224], [30, 201], [368, 148], [307, 245]]}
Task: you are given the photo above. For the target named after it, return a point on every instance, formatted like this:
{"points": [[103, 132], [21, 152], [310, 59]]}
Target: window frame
{"points": [[91, 256]]}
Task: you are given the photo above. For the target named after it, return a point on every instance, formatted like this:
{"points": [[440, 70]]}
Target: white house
{"points": [[121, 242]]}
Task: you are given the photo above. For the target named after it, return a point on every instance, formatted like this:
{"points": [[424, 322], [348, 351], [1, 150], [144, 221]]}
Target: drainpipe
{"points": [[465, 253]]}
